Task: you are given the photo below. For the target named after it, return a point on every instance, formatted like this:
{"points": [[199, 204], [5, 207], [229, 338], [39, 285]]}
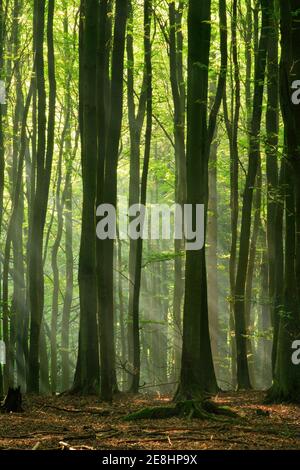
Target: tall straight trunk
{"points": [[163, 328], [103, 115], [18, 302], [251, 271], [31, 174], [143, 198], [68, 297], [44, 163], [272, 129], [103, 93], [68, 213], [105, 271], [44, 379], [59, 203], [36, 285], [232, 131], [279, 261], [248, 34], [86, 378], [63, 206], [136, 120], [197, 370], [178, 93], [212, 253], [11, 311], [122, 333], [265, 343], [243, 379]]}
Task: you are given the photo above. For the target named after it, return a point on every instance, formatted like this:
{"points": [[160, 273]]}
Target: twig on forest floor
{"points": [[65, 446], [183, 438], [75, 410], [76, 437]]}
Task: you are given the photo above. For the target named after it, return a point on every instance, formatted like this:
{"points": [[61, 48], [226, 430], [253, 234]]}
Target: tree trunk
{"points": [[243, 379], [197, 370], [143, 198], [136, 121], [86, 378], [105, 269], [272, 128], [178, 93], [232, 131], [68, 213], [44, 162]]}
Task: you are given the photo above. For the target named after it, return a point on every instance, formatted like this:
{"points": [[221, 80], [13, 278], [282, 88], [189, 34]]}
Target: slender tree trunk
{"points": [[105, 271], [250, 272], [44, 163], [143, 198], [212, 253], [87, 369], [136, 120], [59, 198], [68, 297], [19, 269], [254, 149], [44, 379], [178, 93], [68, 213], [266, 344], [272, 128], [197, 370], [122, 323], [232, 131]]}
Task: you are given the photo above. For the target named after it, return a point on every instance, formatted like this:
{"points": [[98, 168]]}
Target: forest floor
{"points": [[64, 422]]}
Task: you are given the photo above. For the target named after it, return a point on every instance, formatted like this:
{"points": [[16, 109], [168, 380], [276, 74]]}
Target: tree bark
{"points": [[105, 276], [86, 378], [143, 197], [197, 370], [243, 380]]}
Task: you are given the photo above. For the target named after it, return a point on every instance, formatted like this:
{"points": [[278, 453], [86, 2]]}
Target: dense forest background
{"points": [[149, 102]]}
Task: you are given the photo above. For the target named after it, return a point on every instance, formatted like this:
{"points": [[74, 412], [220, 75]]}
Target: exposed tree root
{"points": [[205, 409], [87, 411]]}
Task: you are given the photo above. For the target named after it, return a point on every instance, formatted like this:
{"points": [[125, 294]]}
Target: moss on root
{"points": [[205, 409]]}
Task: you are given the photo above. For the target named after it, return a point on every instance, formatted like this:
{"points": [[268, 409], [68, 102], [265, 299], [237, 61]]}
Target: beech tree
{"points": [[197, 369]]}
